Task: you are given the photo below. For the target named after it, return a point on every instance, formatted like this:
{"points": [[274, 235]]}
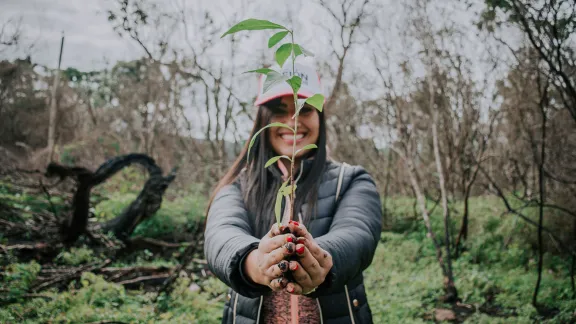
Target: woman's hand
{"points": [[313, 266], [266, 264]]}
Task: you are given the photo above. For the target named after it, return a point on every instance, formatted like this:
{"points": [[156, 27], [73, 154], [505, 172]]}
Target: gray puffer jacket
{"points": [[349, 229]]}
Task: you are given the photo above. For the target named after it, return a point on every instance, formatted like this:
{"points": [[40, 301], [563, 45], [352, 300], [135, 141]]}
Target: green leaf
{"points": [[317, 101], [260, 131], [287, 191], [253, 24], [278, 207], [261, 71], [276, 158], [307, 147], [301, 103], [276, 38], [295, 82], [272, 79], [297, 50], [282, 53]]}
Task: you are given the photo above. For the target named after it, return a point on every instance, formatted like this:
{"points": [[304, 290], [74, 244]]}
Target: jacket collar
{"points": [[301, 173]]}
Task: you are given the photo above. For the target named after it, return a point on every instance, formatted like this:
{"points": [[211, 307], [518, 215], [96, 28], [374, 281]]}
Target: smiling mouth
{"points": [[289, 138]]}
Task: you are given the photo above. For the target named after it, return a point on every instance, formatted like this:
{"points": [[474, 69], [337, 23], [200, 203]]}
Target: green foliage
{"points": [[109, 209], [174, 217], [317, 101], [408, 288], [282, 53], [260, 131], [295, 82], [98, 300], [276, 38], [272, 79], [307, 147], [28, 202], [261, 71], [17, 279], [275, 159], [76, 256], [278, 205], [403, 282], [252, 24], [299, 50]]}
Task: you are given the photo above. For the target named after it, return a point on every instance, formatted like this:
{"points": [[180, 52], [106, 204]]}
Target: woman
{"points": [[333, 238]]}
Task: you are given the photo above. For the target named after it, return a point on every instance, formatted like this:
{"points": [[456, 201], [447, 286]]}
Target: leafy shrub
{"points": [[76, 256], [17, 279]]}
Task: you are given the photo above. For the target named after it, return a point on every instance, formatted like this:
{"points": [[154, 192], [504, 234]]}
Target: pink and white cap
{"points": [[311, 84]]}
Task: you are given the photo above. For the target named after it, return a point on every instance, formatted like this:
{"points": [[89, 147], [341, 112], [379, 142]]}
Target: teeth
{"points": [[290, 136]]}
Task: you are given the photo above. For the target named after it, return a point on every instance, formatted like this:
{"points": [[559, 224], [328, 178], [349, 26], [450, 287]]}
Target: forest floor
{"points": [[495, 273]]}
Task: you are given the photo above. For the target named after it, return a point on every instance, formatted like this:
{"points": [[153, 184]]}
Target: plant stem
{"points": [[292, 191]]}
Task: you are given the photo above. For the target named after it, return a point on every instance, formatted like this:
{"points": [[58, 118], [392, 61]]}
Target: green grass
{"points": [[403, 282], [405, 279]]}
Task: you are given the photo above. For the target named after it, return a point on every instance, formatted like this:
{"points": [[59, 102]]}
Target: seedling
{"points": [[273, 77]]}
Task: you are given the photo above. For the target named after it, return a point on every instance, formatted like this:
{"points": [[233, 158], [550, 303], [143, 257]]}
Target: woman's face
{"points": [[282, 139]]}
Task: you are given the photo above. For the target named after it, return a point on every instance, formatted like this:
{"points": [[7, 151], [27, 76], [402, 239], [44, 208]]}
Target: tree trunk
{"points": [[386, 187], [145, 205], [449, 286], [542, 186], [573, 267], [54, 106]]}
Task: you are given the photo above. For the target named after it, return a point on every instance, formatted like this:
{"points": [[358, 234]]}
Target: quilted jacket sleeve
{"points": [[228, 239], [354, 232]]}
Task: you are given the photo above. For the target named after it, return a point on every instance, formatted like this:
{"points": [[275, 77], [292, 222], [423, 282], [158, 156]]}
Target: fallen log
{"points": [[145, 205]]}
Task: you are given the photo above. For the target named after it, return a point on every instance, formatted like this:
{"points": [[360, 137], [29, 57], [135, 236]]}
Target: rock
{"points": [[442, 314]]}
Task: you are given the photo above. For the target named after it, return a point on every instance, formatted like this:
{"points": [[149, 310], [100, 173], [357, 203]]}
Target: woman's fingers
{"points": [[300, 275], [310, 265], [277, 255], [275, 230], [322, 256], [278, 284], [270, 244], [294, 288], [299, 230], [276, 270]]}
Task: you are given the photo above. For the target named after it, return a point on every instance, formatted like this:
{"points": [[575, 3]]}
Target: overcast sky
{"points": [[91, 43]]}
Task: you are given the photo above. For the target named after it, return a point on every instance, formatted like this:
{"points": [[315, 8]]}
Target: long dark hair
{"points": [[259, 185]]}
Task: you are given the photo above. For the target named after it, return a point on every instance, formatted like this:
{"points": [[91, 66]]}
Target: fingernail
{"points": [[295, 266], [290, 247], [300, 249], [291, 289], [289, 238], [282, 265], [295, 223], [301, 240]]}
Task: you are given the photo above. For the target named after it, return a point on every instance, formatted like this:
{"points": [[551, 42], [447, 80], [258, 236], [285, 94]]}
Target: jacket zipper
{"points": [[349, 305], [235, 305], [320, 311], [259, 309]]}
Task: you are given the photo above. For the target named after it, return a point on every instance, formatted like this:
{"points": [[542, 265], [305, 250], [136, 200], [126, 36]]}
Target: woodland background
{"points": [[464, 112]]}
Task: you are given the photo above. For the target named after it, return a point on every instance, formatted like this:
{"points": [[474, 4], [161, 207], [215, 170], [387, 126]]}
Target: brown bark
{"points": [[449, 286], [54, 106], [542, 186], [145, 205]]}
